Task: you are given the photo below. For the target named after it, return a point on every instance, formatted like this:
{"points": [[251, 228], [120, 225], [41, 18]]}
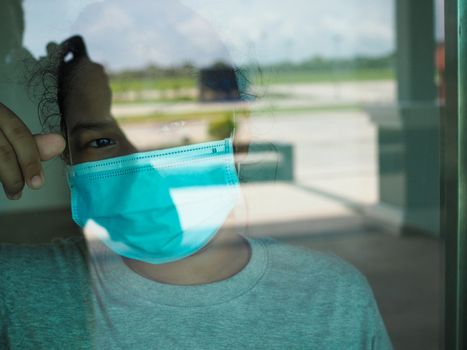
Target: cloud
{"points": [[49, 20], [131, 33], [126, 33], [268, 31]]}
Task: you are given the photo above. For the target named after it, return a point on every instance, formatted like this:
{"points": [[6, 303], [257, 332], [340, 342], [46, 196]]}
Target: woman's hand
{"points": [[21, 154]]}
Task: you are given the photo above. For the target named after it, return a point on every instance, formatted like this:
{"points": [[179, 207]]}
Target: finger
{"points": [[10, 172], [50, 145], [24, 147]]}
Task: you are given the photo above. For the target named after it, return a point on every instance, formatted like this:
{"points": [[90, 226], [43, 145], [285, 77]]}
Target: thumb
{"points": [[50, 145]]}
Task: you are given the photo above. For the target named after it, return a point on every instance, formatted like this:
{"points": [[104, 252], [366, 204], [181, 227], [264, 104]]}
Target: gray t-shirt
{"points": [[69, 295]]}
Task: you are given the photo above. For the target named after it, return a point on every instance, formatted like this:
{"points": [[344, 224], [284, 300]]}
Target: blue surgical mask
{"points": [[158, 206]]}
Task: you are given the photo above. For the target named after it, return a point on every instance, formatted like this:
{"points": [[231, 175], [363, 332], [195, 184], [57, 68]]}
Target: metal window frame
{"points": [[454, 173]]}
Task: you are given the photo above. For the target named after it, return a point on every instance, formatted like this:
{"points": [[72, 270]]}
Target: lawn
{"points": [[121, 85], [242, 113], [266, 77], [303, 76]]}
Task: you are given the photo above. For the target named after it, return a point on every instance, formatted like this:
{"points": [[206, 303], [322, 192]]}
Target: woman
{"points": [[141, 277]]}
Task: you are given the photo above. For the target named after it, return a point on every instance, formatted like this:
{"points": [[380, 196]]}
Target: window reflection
{"points": [[334, 112]]}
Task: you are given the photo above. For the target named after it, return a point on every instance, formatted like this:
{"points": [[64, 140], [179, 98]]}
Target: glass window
{"points": [[222, 174]]}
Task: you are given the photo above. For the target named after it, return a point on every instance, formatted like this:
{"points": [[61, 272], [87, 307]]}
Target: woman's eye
{"points": [[103, 142]]}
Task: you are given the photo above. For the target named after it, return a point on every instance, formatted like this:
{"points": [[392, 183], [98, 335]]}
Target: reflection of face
{"points": [[93, 132]]}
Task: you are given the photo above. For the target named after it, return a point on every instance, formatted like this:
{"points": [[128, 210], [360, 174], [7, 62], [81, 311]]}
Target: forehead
{"points": [[83, 74], [86, 94]]}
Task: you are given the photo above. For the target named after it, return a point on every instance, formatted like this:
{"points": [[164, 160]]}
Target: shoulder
{"points": [[44, 286], [66, 247], [307, 268], [22, 262], [284, 256], [324, 288]]}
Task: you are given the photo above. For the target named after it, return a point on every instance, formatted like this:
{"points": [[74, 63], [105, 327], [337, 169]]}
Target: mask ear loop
{"points": [[232, 137], [68, 143], [241, 209], [70, 153]]}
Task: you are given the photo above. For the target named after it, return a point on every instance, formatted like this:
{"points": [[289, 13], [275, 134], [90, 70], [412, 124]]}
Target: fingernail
{"points": [[14, 196], [36, 181]]}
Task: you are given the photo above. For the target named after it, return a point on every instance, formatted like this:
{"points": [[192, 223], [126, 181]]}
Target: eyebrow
{"points": [[91, 126]]}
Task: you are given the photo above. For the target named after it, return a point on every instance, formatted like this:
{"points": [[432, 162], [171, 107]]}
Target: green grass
{"points": [[293, 77], [214, 115], [267, 77], [119, 101], [122, 85], [166, 117]]}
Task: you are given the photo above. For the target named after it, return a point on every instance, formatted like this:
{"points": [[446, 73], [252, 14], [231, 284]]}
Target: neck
{"points": [[224, 256]]}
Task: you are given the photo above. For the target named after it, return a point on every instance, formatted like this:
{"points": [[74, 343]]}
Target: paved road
{"points": [[334, 151]]}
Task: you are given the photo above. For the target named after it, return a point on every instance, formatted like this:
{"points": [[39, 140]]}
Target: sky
{"points": [[130, 34]]}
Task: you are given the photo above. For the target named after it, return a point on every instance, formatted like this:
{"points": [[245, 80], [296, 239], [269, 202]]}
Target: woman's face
{"points": [[93, 134]]}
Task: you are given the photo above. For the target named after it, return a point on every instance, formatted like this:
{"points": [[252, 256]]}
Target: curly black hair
{"points": [[50, 76]]}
